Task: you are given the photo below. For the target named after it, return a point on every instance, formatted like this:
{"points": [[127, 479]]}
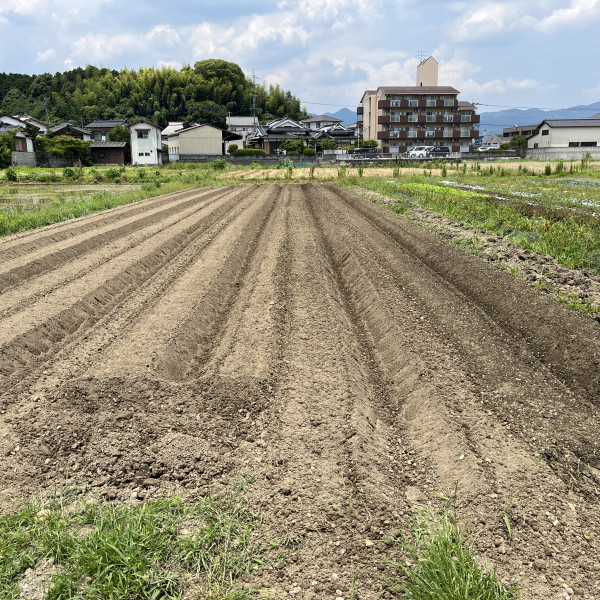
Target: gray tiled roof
{"points": [[108, 144], [572, 122]]}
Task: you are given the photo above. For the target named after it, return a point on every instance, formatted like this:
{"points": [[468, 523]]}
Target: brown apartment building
{"points": [[402, 117]]}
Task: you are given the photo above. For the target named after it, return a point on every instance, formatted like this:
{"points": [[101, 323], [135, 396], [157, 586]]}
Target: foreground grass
{"points": [[441, 566], [123, 552]]}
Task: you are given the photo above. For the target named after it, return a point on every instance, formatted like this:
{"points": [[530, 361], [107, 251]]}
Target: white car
{"points": [[419, 151]]}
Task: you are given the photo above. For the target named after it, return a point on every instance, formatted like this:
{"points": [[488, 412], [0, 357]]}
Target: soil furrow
{"points": [[506, 301], [46, 262], [28, 241], [31, 346]]}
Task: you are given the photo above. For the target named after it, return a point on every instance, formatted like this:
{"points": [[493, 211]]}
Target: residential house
{"points": [[23, 141], [566, 133], [490, 142], [345, 135], [321, 121], [72, 131], [400, 117], [170, 129], [199, 142], [241, 125], [42, 127], [101, 128], [269, 137], [524, 130], [146, 143]]}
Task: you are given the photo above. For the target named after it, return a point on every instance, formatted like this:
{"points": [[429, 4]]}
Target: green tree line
{"points": [[202, 93]]}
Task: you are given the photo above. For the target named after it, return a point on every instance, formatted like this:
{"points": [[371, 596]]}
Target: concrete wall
{"points": [[41, 159], [563, 153]]}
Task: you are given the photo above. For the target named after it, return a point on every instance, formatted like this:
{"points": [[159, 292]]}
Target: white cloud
{"points": [[579, 11], [48, 54]]}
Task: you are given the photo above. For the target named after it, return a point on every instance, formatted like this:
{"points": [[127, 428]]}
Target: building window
{"points": [[589, 144], [142, 134], [573, 144], [536, 145], [545, 131]]}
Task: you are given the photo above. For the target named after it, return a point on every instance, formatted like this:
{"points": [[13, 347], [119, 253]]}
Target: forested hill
{"points": [[203, 93]]}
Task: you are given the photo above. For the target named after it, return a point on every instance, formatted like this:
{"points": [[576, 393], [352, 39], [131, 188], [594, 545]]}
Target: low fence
{"points": [[563, 153]]}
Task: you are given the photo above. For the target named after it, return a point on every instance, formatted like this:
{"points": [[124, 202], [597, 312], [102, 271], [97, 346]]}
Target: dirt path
{"points": [[337, 362]]}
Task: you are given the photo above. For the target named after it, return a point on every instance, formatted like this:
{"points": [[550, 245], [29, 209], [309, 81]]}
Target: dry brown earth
{"points": [[337, 359]]}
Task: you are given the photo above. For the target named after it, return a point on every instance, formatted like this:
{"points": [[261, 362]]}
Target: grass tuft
{"points": [[440, 566]]}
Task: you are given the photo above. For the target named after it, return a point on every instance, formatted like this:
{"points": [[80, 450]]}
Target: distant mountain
{"points": [[345, 114], [495, 122]]}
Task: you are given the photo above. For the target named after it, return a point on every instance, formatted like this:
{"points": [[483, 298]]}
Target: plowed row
{"points": [[340, 364]]}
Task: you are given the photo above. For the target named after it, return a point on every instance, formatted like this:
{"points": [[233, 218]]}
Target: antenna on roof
{"points": [[253, 98], [422, 54]]}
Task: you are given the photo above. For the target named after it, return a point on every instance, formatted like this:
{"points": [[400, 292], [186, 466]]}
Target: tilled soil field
{"points": [[339, 363]]}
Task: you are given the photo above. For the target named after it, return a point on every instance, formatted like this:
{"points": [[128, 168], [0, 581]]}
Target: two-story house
{"points": [[146, 143]]}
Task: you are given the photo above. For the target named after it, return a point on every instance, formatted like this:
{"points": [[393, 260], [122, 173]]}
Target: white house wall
{"points": [[201, 140], [560, 137], [146, 151]]}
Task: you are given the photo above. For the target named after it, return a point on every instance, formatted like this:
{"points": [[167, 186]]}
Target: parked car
{"points": [[486, 148], [419, 151], [439, 151], [368, 151]]}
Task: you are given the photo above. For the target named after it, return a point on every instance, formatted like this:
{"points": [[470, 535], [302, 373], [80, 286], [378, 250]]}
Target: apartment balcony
{"points": [[451, 102], [456, 119], [420, 134], [402, 135], [466, 133], [359, 110], [474, 133], [465, 118], [448, 119], [439, 134], [383, 135], [455, 133], [421, 118], [383, 119], [396, 118], [384, 104], [430, 134], [430, 119], [476, 119]]}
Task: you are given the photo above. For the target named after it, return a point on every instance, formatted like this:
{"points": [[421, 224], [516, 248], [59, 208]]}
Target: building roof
{"points": [[32, 120], [321, 118], [418, 89], [241, 121], [143, 122], [108, 144], [466, 105], [596, 116], [426, 59], [591, 122], [67, 126], [225, 133], [106, 124]]}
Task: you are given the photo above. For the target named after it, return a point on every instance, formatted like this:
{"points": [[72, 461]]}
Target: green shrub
{"points": [[113, 174], [218, 164], [249, 152], [11, 174], [548, 170], [68, 173], [233, 148], [308, 152]]}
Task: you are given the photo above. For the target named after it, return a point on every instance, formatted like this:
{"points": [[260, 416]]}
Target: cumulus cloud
{"points": [[48, 54], [580, 11]]}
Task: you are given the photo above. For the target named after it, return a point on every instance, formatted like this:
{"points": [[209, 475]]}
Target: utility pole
{"points": [[253, 98], [47, 113]]}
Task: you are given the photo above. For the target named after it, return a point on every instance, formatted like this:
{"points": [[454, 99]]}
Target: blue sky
{"points": [[510, 53]]}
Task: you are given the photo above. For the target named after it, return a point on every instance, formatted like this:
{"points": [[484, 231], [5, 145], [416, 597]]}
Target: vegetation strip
{"points": [[156, 549]]}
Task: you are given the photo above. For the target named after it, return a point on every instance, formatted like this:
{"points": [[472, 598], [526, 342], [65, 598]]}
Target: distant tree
{"points": [[292, 146], [119, 133], [329, 144], [7, 143], [64, 145], [518, 141]]}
